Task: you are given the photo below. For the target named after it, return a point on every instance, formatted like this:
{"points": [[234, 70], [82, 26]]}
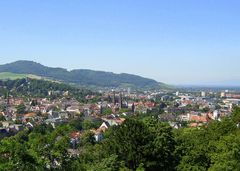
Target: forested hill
{"points": [[41, 88], [81, 76]]}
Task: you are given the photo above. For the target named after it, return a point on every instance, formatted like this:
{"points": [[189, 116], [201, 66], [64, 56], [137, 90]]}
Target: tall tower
{"points": [[109, 98], [129, 90], [114, 98], [101, 110], [8, 103], [8, 98], [133, 107], [121, 101]]}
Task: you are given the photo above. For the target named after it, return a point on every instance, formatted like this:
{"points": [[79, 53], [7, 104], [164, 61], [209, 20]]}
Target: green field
{"points": [[13, 76]]}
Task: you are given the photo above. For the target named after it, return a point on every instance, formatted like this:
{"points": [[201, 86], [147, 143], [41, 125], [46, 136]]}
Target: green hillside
{"points": [[14, 76], [82, 77]]}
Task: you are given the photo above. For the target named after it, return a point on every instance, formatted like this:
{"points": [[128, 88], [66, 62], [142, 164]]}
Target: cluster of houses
{"points": [[196, 119], [98, 134], [58, 111], [178, 108], [218, 107]]}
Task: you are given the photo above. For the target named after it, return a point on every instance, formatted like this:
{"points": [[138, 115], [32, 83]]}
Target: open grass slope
{"points": [[14, 76]]}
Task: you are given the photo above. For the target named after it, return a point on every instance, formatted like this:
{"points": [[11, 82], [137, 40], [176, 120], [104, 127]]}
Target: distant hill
{"points": [[80, 76]]}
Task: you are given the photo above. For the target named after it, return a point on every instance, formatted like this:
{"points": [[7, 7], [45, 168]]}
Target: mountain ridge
{"points": [[84, 77]]}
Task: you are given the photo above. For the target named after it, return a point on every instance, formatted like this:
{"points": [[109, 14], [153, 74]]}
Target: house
{"points": [[98, 135], [175, 125], [53, 115], [54, 122], [150, 105], [35, 108], [16, 127], [195, 125], [43, 109], [29, 125], [184, 118], [5, 124], [196, 118], [74, 109], [74, 139], [104, 126], [114, 121], [63, 115]]}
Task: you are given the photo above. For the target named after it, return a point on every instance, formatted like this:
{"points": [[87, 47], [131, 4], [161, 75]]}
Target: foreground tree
{"points": [[137, 143]]}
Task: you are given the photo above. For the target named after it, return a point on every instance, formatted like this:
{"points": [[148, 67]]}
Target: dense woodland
{"points": [[41, 88], [140, 143]]}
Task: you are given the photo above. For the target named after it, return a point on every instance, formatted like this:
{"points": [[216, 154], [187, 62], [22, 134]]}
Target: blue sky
{"points": [[173, 41]]}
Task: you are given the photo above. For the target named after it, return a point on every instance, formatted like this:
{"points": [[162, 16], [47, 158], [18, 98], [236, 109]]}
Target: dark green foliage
{"points": [[87, 139], [130, 141], [88, 124], [150, 143], [21, 109], [206, 109], [214, 147], [14, 154], [41, 88], [2, 118], [76, 124], [107, 111]]}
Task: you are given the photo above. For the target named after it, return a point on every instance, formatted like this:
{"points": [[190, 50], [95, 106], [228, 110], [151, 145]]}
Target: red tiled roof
{"points": [[197, 118], [193, 125], [75, 134]]}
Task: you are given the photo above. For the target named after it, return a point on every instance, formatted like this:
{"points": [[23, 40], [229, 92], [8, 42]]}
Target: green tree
{"points": [[129, 141], [88, 138], [88, 124], [206, 109], [2, 118], [150, 143], [107, 111], [21, 109], [161, 146], [226, 156], [198, 149], [14, 154]]}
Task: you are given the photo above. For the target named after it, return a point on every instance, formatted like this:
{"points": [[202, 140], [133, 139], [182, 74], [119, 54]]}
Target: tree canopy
{"points": [[137, 144]]}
